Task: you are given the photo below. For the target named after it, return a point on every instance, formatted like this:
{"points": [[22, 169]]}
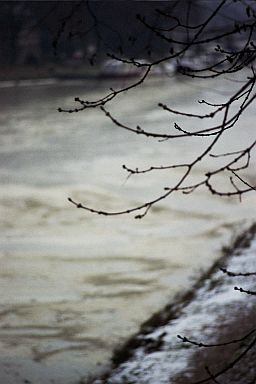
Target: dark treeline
{"points": [[35, 32]]}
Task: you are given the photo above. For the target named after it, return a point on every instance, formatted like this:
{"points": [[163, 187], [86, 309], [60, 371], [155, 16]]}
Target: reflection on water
{"points": [[74, 285]]}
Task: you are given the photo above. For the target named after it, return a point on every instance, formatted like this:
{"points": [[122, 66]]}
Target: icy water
{"points": [[74, 285]]}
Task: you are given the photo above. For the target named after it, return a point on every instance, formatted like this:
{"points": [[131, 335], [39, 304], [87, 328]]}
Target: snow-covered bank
{"points": [[214, 313]]}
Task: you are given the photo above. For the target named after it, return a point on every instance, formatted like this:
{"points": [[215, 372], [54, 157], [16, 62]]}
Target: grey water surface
{"points": [[74, 285]]}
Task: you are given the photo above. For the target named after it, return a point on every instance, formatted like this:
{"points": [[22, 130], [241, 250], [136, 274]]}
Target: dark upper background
{"points": [[39, 32]]}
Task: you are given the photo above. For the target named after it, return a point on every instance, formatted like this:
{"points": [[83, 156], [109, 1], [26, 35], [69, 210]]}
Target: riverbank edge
{"points": [[173, 310], [20, 73]]}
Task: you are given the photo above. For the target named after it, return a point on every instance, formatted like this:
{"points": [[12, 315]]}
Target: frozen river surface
{"points": [[75, 285]]}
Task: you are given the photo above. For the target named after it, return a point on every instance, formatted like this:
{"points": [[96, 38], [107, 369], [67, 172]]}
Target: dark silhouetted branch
{"points": [[234, 274], [245, 291], [200, 344]]}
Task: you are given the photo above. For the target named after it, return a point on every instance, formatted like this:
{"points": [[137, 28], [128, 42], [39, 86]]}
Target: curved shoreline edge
{"points": [[213, 296]]}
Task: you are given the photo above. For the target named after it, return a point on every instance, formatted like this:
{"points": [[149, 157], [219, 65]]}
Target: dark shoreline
{"points": [[173, 311], [20, 74]]}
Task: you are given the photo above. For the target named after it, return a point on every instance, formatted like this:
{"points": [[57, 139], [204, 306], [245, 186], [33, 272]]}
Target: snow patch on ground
{"points": [[161, 356]]}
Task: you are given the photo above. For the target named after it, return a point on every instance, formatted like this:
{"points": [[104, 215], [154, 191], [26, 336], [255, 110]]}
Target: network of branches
{"points": [[224, 50]]}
